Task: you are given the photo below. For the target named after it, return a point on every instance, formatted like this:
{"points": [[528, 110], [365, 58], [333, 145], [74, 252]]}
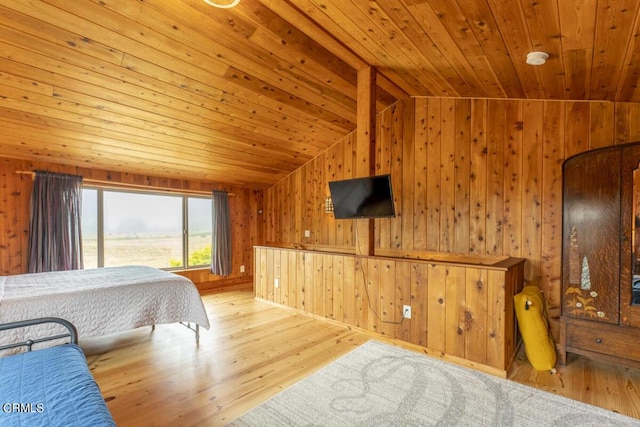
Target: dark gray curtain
{"points": [[55, 240], [220, 234]]}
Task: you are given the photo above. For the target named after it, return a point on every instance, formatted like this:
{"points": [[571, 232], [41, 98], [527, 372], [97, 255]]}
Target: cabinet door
{"points": [[592, 235], [630, 247]]}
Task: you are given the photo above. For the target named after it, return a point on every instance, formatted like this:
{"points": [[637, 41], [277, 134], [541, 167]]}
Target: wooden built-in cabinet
{"points": [[600, 251], [460, 311]]}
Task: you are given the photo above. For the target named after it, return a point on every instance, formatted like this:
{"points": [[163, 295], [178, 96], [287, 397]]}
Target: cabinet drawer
{"points": [[605, 339]]}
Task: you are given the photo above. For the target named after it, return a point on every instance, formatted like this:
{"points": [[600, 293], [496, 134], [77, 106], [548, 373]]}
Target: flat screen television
{"points": [[367, 197]]}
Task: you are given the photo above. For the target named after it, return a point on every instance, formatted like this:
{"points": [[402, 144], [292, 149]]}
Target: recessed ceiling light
{"points": [[536, 58], [223, 4]]}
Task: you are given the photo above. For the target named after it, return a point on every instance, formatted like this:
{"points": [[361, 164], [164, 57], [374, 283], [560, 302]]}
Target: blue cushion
{"points": [[50, 387]]}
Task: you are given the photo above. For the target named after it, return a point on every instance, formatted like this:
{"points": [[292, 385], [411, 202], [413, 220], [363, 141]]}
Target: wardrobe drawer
{"points": [[613, 340]]}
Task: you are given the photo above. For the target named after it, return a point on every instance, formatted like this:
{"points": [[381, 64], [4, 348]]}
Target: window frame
{"points": [[185, 221]]}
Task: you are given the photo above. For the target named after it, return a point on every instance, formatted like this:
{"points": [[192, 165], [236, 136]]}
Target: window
{"points": [[199, 226], [143, 228]]}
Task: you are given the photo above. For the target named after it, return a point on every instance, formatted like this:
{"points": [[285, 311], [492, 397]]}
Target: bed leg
{"points": [[197, 334], [153, 327]]}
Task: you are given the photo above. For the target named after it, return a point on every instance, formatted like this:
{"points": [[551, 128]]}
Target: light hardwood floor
{"points": [[254, 350]]}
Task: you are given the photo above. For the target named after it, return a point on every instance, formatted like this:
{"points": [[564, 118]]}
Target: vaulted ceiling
{"points": [[178, 88]]}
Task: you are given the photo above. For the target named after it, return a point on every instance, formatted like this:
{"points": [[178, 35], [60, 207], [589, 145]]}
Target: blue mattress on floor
{"points": [[50, 387]]}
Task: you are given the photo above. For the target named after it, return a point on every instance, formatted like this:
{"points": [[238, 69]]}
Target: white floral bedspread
{"points": [[102, 301]]}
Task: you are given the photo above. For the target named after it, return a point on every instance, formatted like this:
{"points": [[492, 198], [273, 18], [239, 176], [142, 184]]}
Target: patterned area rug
{"points": [[381, 385]]}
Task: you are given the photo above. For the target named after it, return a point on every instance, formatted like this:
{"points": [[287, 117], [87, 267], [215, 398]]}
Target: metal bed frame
{"points": [[72, 333]]}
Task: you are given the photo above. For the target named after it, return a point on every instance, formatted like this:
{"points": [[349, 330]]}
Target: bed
{"points": [[103, 301], [52, 386]]}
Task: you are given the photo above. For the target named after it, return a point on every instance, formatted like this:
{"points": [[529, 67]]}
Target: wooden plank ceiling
{"points": [[246, 95]]}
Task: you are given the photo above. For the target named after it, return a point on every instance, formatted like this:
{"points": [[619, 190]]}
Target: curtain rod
{"points": [[112, 184]]}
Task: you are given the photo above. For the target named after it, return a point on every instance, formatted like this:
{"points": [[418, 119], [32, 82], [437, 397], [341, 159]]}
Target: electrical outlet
{"points": [[307, 233], [242, 269], [276, 283], [406, 311]]}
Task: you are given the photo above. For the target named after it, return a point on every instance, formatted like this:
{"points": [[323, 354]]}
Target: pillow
{"points": [[534, 328]]}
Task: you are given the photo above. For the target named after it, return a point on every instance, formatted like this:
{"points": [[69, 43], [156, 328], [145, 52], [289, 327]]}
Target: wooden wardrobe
{"points": [[600, 255]]}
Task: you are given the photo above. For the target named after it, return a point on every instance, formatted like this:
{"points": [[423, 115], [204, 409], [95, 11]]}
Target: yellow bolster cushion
{"points": [[534, 328]]}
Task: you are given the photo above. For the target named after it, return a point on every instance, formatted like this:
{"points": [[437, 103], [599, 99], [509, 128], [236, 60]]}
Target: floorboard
{"points": [[254, 350]]}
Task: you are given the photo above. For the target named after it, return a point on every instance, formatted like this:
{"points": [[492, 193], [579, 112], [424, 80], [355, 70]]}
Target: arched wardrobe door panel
{"points": [[601, 255]]}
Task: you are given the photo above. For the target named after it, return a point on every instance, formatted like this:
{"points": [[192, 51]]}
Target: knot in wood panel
{"points": [[468, 320]]}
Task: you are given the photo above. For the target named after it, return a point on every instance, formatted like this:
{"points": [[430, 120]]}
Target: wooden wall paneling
{"points": [[447, 177], [289, 208], [262, 290], [258, 221], [434, 145], [270, 275], [276, 212], [338, 174], [299, 278], [316, 217], [455, 294], [309, 299], [330, 170], [279, 274], [292, 282], [397, 169], [386, 288], [496, 318], [299, 216], [373, 279], [350, 293], [514, 158], [460, 310], [627, 128], [4, 219], [478, 178], [384, 166], [513, 283], [420, 175], [462, 158], [577, 128], [21, 219], [496, 117], [361, 293], [419, 303], [14, 248], [437, 307], [238, 233], [285, 280], [476, 315], [349, 164], [338, 287], [402, 286], [601, 131], [532, 189], [318, 285], [326, 221], [308, 196], [512, 224], [327, 285], [406, 135], [551, 233], [365, 149], [269, 231]]}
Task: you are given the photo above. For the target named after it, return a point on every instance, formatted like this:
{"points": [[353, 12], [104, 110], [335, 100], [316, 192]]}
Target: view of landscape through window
{"points": [[146, 229]]}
